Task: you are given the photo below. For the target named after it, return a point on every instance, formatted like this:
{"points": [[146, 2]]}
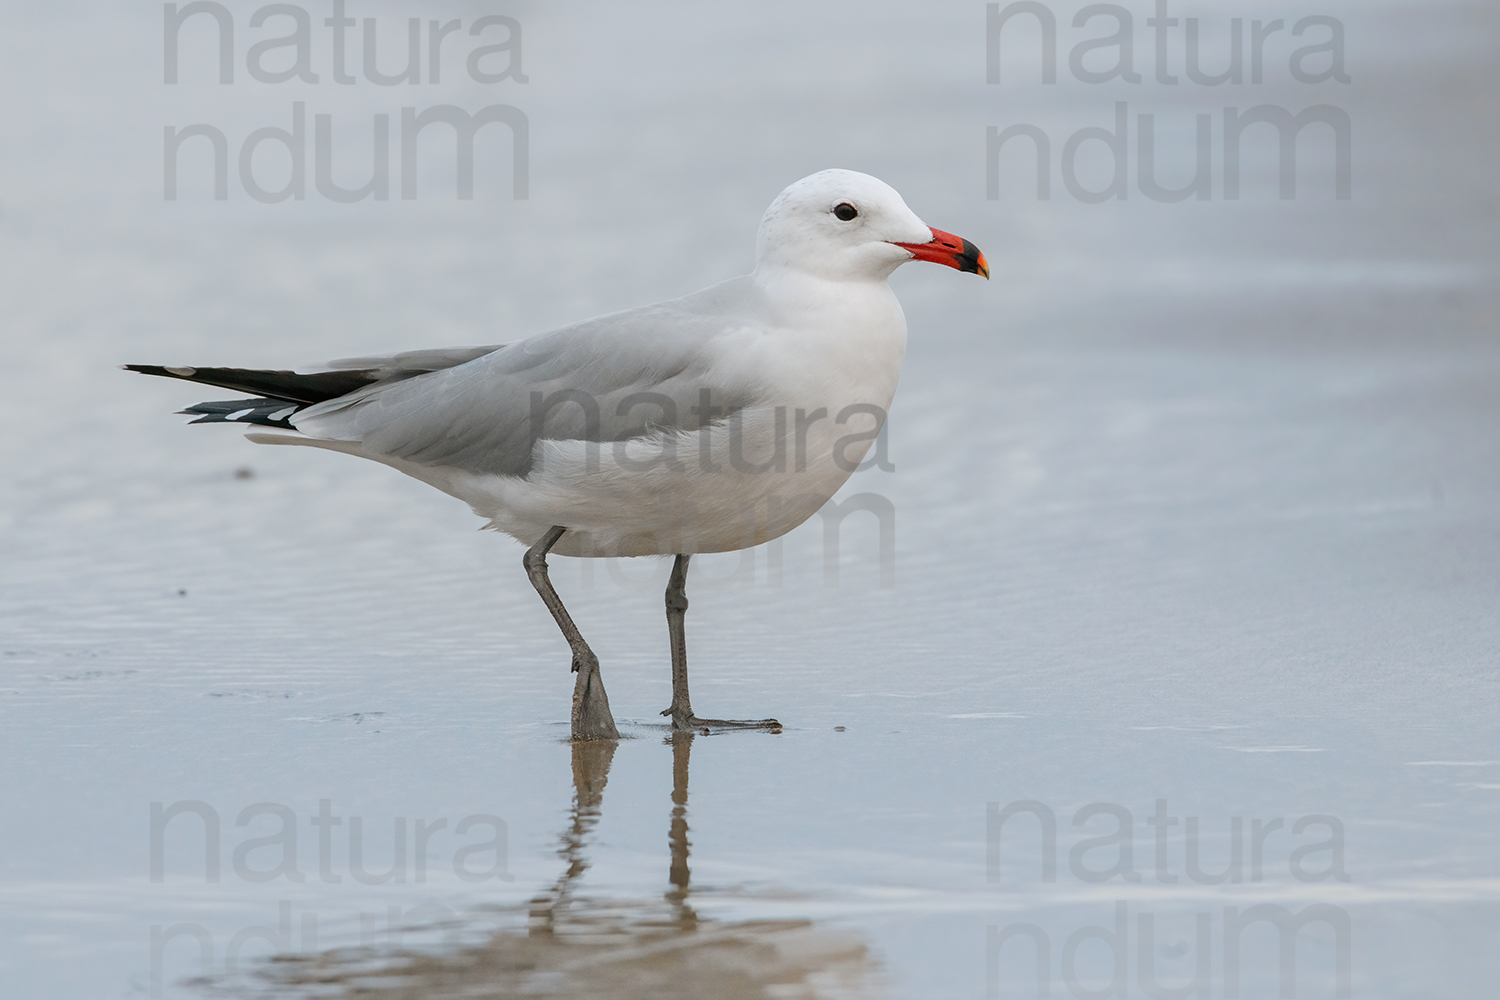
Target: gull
{"points": [[707, 423]]}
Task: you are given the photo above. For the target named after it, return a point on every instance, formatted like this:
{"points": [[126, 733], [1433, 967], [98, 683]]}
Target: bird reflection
{"points": [[677, 834], [591, 763], [578, 945]]}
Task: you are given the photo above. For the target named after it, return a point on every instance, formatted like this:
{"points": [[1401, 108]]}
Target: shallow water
{"points": [[1194, 547]]}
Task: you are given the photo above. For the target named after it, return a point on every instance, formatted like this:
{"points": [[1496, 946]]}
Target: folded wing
{"points": [[612, 378]]}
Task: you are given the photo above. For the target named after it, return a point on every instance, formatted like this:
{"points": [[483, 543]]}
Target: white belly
{"points": [[727, 486]]}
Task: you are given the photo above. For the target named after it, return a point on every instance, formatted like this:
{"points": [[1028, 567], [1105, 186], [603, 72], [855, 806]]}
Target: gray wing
{"points": [[605, 379], [408, 364]]}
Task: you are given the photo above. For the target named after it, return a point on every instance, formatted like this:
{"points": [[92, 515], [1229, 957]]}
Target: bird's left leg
{"points": [[681, 709], [591, 716]]}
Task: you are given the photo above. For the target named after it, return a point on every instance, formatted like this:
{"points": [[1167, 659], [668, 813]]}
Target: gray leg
{"points": [[591, 716], [677, 605], [682, 705]]}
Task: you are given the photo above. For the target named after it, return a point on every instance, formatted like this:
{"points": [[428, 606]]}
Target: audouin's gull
{"points": [[708, 423]]}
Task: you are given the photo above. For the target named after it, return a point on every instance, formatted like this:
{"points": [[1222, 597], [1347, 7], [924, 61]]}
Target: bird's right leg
{"points": [[591, 716]]}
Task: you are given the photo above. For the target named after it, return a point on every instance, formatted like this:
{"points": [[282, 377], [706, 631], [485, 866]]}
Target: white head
{"points": [[843, 225]]}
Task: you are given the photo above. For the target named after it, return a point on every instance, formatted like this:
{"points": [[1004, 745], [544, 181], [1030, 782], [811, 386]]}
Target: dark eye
{"points": [[845, 211]]}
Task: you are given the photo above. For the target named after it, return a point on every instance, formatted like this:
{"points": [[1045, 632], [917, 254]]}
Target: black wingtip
{"points": [[290, 386], [166, 371], [265, 412]]}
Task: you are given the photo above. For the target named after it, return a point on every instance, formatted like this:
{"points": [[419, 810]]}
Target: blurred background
{"points": [[1194, 515]]}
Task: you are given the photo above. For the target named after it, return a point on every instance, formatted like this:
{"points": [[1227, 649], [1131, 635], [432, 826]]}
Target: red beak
{"points": [[955, 251]]}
